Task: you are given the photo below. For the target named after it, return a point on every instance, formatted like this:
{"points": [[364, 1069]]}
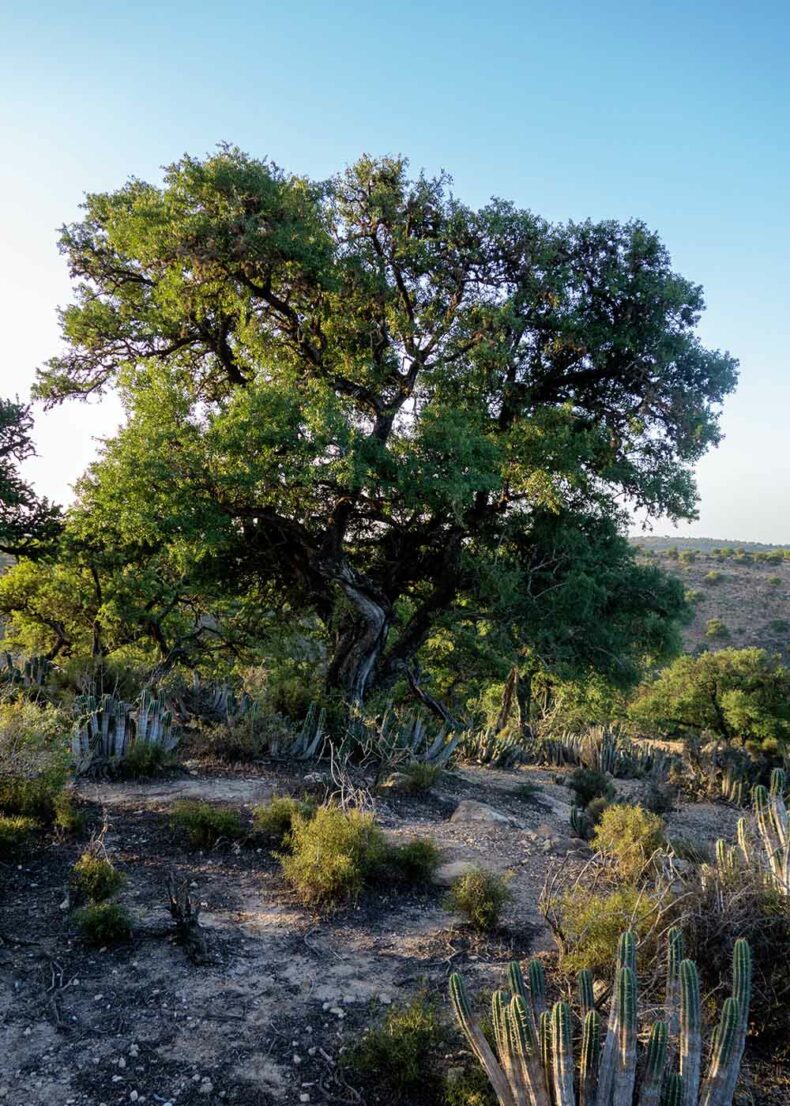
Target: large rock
{"points": [[469, 810]]}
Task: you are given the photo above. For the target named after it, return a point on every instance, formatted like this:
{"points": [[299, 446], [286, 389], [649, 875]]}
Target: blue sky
{"points": [[677, 113]]}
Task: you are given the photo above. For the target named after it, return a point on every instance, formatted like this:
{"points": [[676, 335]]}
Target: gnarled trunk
{"points": [[361, 638]]}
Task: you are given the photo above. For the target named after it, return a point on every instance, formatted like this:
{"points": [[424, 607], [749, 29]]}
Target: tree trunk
{"points": [[361, 638]]}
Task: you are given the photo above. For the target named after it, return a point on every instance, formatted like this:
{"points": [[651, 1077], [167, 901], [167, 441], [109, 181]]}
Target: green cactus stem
{"points": [[584, 982], [655, 1065], [562, 1054], [478, 1042], [690, 1043], [625, 1069], [590, 1058]]}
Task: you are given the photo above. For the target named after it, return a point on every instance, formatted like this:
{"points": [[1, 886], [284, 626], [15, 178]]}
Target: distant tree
{"points": [[740, 695], [355, 393], [28, 525]]}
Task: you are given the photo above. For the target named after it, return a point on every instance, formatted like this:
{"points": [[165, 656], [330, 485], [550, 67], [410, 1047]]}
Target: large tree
{"points": [[28, 524], [355, 392]]}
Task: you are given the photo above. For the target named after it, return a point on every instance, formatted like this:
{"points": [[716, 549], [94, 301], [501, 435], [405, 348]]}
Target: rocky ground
{"points": [[265, 1021]]}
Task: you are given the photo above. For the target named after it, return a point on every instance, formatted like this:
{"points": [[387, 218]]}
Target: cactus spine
{"points": [[585, 985], [590, 1058], [562, 1052]]}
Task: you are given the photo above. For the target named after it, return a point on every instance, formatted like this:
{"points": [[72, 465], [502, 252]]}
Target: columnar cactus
{"points": [[110, 728], [534, 1065], [771, 829]]}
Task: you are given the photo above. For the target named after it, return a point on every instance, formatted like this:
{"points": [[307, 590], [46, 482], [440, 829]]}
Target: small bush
{"points": [[716, 629], [205, 825], [695, 852], [659, 797], [414, 862], [245, 739], [481, 897], [332, 854], [66, 815], [274, 820], [402, 1055], [15, 831], [591, 924], [144, 761], [713, 577], [588, 784], [774, 581], [468, 1087], [104, 923], [32, 798], [629, 836], [94, 878], [422, 776], [526, 790]]}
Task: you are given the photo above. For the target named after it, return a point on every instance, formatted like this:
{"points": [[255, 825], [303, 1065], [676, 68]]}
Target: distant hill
{"points": [[704, 545], [740, 598]]}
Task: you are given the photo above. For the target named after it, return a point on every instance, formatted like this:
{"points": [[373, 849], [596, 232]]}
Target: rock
{"points": [[446, 874], [469, 810], [545, 830]]}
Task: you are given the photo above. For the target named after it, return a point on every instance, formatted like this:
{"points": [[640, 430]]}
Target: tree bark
{"points": [[361, 639]]}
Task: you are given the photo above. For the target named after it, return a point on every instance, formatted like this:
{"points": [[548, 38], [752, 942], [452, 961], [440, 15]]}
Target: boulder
{"points": [[470, 810], [446, 874]]}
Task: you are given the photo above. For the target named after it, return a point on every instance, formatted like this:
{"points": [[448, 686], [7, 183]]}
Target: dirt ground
{"points": [[265, 1021]]}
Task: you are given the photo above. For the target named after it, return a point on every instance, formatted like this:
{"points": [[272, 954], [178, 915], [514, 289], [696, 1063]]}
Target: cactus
{"points": [[655, 1064], [771, 828], [778, 783], [110, 728], [533, 1064], [581, 823], [585, 985], [590, 1058]]}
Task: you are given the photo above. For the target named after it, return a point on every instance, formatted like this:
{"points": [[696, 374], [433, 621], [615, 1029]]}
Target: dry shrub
{"points": [[480, 896], [94, 877], [630, 837], [273, 821], [333, 854], [15, 831], [206, 825]]}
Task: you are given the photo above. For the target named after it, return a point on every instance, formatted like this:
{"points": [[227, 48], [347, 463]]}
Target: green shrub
{"points": [[480, 896], [245, 739], [526, 790], [205, 825], [333, 854], [34, 741], [713, 577], [591, 924], [468, 1087], [402, 1055], [104, 923], [659, 797], [94, 878], [32, 798], [15, 831], [422, 776], [414, 862], [273, 820], [774, 581], [67, 816], [145, 760], [716, 629], [629, 836], [588, 784]]}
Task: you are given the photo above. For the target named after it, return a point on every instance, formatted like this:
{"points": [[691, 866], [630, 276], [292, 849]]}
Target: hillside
{"points": [[750, 597]]}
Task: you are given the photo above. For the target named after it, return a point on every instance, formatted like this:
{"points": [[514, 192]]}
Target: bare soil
{"points": [[265, 1022]]}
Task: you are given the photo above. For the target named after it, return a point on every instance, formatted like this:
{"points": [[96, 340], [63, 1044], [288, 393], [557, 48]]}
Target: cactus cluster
{"points": [[764, 838], [109, 728], [33, 673], [734, 788], [606, 750], [496, 748], [533, 1062]]}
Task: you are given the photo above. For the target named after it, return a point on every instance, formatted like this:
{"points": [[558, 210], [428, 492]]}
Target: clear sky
{"points": [[673, 111]]}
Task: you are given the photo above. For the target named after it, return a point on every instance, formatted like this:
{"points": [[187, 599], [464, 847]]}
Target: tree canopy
{"points": [[373, 406], [28, 525], [740, 695]]}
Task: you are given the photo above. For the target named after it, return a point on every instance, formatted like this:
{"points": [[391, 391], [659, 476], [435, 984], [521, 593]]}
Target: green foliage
{"points": [[205, 825], [15, 832], [422, 775], [332, 854], [629, 836], [480, 896], [526, 790], [268, 332], [401, 1057], [273, 821], [28, 525], [104, 923], [733, 694], [144, 761], [34, 746], [588, 784], [713, 577], [415, 862], [774, 581], [95, 878], [247, 738], [468, 1087], [716, 629], [591, 924], [67, 816]]}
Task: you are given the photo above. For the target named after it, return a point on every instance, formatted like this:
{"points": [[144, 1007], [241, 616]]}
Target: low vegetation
{"points": [[103, 923], [630, 837], [204, 824], [480, 897]]}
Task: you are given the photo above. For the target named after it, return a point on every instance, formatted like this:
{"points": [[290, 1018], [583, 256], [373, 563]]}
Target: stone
{"points": [[470, 810]]}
